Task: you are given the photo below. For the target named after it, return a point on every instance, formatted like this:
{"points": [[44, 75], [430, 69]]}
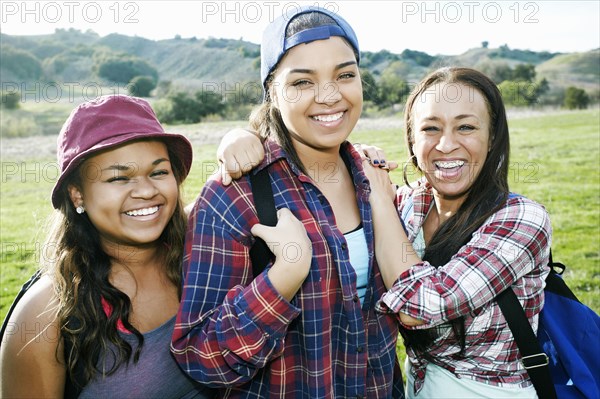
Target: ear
{"points": [[75, 195]]}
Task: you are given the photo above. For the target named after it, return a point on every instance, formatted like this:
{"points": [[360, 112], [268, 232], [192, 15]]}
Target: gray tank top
{"points": [[155, 375]]}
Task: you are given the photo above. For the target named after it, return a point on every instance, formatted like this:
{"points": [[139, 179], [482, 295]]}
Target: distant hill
{"points": [[191, 63], [574, 69]]}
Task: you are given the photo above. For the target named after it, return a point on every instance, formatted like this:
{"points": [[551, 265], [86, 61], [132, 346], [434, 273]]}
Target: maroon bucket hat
{"points": [[106, 122]]}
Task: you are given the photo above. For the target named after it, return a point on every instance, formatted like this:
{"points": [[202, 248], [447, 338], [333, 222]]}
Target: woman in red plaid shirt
{"points": [[306, 327]]}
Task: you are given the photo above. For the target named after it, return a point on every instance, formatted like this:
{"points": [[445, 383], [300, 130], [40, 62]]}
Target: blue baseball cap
{"points": [[275, 44]]}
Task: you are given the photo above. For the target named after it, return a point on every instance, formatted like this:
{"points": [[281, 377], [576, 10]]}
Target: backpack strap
{"points": [[555, 284], [264, 202], [32, 280], [72, 387], [533, 357]]}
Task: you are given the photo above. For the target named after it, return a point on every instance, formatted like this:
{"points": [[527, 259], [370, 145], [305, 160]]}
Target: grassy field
{"points": [[555, 160]]}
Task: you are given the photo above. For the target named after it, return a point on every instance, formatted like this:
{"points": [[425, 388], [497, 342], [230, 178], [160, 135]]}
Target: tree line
{"points": [[383, 88]]}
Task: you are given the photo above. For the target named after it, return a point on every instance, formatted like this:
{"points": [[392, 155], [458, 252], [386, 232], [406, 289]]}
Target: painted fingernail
{"points": [[375, 162]]}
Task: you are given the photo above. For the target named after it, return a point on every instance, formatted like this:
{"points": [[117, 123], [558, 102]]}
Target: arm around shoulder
{"points": [[32, 359]]}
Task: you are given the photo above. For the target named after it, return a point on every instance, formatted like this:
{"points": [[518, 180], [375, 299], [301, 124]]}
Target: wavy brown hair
{"points": [[487, 194], [80, 269]]}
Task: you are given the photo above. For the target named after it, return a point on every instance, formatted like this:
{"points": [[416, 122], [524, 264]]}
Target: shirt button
{"points": [[344, 246], [359, 349], [355, 298], [322, 200]]}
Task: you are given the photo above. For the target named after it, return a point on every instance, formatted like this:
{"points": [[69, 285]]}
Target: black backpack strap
{"points": [[32, 280], [534, 359], [72, 389], [555, 284], [267, 215]]}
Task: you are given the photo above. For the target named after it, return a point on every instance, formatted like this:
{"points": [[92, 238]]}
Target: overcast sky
{"points": [[435, 27]]}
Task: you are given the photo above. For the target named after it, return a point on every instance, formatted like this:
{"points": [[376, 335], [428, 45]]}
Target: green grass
{"points": [[555, 160]]}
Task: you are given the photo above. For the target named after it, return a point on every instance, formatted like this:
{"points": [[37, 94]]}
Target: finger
{"points": [[258, 150], [285, 213], [392, 165], [381, 158], [245, 162], [262, 231], [225, 176], [372, 154], [376, 154], [360, 150], [232, 167], [366, 161], [226, 179], [250, 162]]}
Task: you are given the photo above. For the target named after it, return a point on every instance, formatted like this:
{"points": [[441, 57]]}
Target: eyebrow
{"points": [[312, 71], [464, 116], [461, 116], [159, 160], [121, 167]]}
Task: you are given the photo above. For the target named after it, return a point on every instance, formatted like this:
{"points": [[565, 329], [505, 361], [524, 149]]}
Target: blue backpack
{"points": [[569, 334], [563, 361]]}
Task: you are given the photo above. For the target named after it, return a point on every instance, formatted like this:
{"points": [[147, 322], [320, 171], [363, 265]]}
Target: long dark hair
{"points": [[487, 194], [80, 269], [266, 119]]}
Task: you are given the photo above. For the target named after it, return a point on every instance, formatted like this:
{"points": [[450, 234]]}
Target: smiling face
{"points": [[129, 193], [451, 137], [318, 91]]}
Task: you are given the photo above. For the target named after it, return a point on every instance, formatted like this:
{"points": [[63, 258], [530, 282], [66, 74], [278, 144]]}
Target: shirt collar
{"points": [[274, 152]]}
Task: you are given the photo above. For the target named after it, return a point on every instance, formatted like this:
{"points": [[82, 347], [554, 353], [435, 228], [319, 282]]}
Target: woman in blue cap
{"points": [[98, 322], [462, 239], [306, 327]]}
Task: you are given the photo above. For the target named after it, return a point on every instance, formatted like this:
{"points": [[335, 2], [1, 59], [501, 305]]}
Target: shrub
{"points": [[123, 69], [521, 93], [141, 86], [576, 98], [22, 63], [181, 107], [10, 100]]}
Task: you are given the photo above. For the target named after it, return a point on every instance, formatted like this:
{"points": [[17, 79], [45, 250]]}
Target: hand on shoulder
{"points": [[238, 153]]}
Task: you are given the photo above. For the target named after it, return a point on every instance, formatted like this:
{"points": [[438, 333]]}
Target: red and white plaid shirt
{"points": [[511, 249]]}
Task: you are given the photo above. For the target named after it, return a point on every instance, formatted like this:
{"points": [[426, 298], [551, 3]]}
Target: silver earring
{"points": [[80, 209]]}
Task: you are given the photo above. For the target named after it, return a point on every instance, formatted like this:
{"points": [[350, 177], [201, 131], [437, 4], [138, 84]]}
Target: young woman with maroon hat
{"points": [[98, 322]]}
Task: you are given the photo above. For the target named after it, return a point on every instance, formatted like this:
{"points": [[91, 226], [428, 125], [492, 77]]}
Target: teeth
{"points": [[449, 164], [328, 118], [143, 211]]}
